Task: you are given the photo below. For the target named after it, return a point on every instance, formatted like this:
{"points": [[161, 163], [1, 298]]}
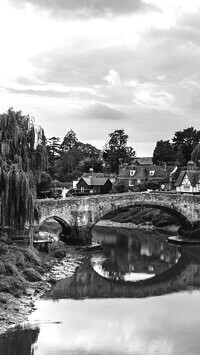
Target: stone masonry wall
{"points": [[88, 210]]}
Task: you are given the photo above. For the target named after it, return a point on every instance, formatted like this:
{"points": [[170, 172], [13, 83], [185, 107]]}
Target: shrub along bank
{"points": [[142, 216]]}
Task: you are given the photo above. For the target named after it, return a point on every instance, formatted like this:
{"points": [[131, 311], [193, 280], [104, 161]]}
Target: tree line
{"points": [[183, 147], [29, 161], [70, 158]]}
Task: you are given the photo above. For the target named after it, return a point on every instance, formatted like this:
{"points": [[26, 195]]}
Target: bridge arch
{"points": [[66, 229], [183, 221]]}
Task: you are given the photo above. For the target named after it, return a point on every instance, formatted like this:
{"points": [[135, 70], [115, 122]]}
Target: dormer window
{"points": [[132, 172], [151, 172]]}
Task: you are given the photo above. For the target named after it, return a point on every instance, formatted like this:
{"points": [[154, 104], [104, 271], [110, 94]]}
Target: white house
{"points": [[188, 180]]}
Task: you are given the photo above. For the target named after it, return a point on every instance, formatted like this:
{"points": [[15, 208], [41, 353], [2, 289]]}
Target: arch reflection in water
{"points": [[133, 255], [177, 271]]}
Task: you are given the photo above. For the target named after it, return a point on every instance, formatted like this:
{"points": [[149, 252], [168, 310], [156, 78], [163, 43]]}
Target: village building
{"points": [[151, 176], [188, 180], [93, 183]]}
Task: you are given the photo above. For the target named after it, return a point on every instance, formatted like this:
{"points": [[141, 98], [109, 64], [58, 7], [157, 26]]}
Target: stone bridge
{"points": [[82, 213]]}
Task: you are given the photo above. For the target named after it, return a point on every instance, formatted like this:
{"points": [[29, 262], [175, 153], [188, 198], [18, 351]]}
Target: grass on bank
{"points": [[22, 265]]}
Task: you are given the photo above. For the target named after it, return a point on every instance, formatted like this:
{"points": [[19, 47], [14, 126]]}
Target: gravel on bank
{"points": [[16, 307]]}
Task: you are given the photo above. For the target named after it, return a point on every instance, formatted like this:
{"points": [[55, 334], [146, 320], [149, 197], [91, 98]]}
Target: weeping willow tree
{"points": [[22, 159]]}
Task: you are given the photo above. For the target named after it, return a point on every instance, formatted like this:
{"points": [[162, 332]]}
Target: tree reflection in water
{"points": [[133, 254], [19, 341]]}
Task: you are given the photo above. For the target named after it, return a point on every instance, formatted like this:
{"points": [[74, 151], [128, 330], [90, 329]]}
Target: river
{"points": [[137, 295]]}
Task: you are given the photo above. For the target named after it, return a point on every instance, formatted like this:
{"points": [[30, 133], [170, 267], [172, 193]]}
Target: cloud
{"points": [[102, 112], [90, 8], [22, 80], [36, 92], [112, 78], [152, 97]]}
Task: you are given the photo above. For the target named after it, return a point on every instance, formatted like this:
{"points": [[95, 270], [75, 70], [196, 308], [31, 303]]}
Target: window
{"points": [[132, 172], [131, 182], [186, 187], [151, 172], [82, 189]]}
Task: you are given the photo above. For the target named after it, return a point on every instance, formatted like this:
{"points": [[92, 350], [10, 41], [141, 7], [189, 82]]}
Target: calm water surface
{"points": [[138, 295]]}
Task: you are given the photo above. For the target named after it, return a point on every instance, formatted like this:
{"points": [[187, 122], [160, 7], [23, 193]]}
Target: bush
{"points": [[3, 248], [57, 249], [2, 268], [32, 256], [13, 285], [32, 275]]}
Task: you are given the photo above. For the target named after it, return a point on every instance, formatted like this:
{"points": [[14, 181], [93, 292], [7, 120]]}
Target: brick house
{"points": [[135, 176]]}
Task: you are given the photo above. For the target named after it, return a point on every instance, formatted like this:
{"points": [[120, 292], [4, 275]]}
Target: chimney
{"points": [[191, 166], [91, 171]]}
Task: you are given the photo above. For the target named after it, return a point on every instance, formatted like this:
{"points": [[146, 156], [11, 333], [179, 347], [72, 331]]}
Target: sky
{"points": [[95, 66]]}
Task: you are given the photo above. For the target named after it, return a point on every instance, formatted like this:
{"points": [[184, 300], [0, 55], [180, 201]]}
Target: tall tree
{"points": [[53, 149], [163, 152], [95, 164], [88, 150], [23, 158], [196, 155], [70, 141], [116, 151], [180, 159], [67, 165], [188, 139]]}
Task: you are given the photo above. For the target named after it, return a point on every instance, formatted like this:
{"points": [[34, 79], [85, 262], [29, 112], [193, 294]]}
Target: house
{"points": [[138, 176], [188, 180], [93, 183]]}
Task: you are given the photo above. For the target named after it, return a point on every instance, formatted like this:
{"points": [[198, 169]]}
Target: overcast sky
{"points": [[99, 65]]}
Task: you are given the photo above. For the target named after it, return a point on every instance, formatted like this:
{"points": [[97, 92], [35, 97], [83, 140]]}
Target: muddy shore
{"points": [[15, 310]]}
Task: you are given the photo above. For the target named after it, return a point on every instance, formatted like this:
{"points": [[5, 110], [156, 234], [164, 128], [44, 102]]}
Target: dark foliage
{"points": [[22, 158]]}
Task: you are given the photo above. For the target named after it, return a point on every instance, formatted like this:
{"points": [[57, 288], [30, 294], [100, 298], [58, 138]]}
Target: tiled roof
{"points": [[97, 175], [191, 175], [144, 160], [95, 181], [99, 181], [87, 180], [143, 172]]}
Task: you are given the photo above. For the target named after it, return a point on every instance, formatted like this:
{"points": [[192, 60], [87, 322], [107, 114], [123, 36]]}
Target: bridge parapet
{"points": [[86, 211]]}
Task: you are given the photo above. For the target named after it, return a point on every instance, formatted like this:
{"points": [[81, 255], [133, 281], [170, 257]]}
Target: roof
{"points": [[143, 172], [99, 181], [95, 180], [191, 176], [143, 161], [89, 175]]}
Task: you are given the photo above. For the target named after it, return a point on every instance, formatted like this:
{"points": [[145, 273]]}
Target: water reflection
{"points": [[133, 255], [90, 314], [19, 341]]}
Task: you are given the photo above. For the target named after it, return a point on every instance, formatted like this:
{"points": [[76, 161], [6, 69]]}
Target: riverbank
{"points": [[145, 218], [147, 226], [23, 282]]}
